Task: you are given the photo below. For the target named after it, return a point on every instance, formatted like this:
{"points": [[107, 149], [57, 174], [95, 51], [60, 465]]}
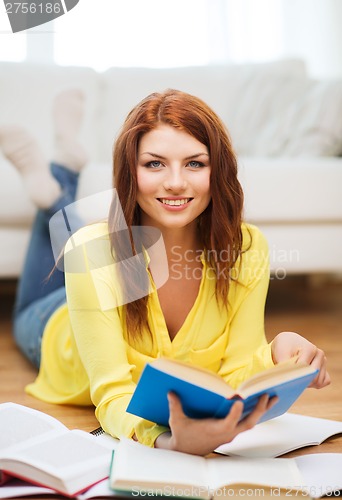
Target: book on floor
{"points": [[281, 435], [320, 474], [205, 394], [140, 470], [18, 488], [38, 448]]}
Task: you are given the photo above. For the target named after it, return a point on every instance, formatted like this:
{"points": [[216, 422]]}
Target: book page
{"points": [[194, 375], [137, 466], [23, 424], [275, 473], [64, 453], [321, 472], [69, 463], [17, 488], [106, 440], [278, 374], [99, 490], [281, 435]]}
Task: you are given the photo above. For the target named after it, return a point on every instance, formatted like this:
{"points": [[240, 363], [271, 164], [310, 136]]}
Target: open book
{"points": [[40, 449], [281, 435], [205, 394], [172, 473], [17, 488]]}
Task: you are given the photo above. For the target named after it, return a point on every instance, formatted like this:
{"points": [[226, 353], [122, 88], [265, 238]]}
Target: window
{"points": [[155, 33], [12, 47], [166, 33]]}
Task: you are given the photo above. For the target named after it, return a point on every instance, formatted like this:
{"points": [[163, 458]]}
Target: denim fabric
{"points": [[39, 295], [29, 324]]}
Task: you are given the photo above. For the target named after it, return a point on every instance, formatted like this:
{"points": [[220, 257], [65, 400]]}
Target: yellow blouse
{"points": [[86, 358]]}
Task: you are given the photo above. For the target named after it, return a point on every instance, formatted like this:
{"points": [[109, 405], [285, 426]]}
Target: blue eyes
{"points": [[153, 164], [195, 164], [157, 164]]}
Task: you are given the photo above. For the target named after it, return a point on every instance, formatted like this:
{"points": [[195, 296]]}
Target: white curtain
{"points": [[260, 30], [312, 29], [245, 30], [12, 47]]}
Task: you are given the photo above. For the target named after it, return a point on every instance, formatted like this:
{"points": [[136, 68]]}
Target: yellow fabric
{"points": [[86, 359]]}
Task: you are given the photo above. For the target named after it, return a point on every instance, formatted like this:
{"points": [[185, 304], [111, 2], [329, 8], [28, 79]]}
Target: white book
{"points": [[41, 450], [140, 470], [281, 435], [17, 488], [320, 474]]}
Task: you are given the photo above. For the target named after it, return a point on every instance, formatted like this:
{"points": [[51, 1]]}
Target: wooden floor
{"points": [[16, 372], [314, 311]]}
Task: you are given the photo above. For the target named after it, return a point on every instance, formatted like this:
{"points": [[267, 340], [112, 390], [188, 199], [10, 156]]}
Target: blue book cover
{"points": [[204, 394]]}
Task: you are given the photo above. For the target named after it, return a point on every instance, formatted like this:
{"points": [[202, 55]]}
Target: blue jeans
{"points": [[38, 295]]}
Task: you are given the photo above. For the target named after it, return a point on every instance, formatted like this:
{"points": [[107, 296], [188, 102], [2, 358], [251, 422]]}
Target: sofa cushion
{"points": [[232, 91], [258, 121], [315, 121], [288, 115]]}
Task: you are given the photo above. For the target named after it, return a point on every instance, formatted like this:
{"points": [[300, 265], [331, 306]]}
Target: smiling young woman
{"points": [[179, 127], [173, 177], [175, 172]]}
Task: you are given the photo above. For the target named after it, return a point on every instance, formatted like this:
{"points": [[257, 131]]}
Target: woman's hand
{"points": [[289, 344], [202, 436]]}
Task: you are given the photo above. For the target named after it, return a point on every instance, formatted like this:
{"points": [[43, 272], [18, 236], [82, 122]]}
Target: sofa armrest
{"points": [[292, 189]]}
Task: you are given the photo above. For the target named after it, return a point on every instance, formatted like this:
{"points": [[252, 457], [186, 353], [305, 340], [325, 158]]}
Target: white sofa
{"points": [[286, 129]]}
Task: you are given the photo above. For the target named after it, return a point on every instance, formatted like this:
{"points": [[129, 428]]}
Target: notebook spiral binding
{"points": [[97, 432]]}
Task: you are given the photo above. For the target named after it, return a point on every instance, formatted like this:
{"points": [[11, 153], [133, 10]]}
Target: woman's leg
{"points": [[51, 188], [40, 295], [40, 277], [29, 324]]}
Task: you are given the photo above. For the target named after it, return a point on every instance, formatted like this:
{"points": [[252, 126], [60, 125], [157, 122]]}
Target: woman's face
{"points": [[173, 174]]}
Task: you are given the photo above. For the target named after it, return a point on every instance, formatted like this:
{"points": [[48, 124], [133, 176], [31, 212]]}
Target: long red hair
{"points": [[219, 225]]}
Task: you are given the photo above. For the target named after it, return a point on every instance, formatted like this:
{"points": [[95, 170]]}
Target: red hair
{"points": [[220, 224]]}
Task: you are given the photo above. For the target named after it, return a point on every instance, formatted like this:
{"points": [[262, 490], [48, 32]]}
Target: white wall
{"points": [[312, 29]]}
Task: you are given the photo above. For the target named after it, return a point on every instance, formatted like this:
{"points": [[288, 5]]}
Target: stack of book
{"points": [[39, 455]]}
